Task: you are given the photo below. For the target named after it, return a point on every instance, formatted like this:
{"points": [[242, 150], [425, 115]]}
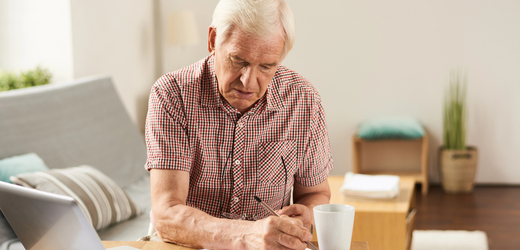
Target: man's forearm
{"points": [[185, 225], [313, 195], [313, 199], [191, 227]]}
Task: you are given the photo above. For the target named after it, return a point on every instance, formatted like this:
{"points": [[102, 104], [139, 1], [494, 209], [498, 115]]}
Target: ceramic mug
{"points": [[334, 225]]}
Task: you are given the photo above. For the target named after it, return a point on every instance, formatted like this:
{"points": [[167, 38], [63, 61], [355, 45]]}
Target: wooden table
{"points": [[158, 245], [386, 224]]}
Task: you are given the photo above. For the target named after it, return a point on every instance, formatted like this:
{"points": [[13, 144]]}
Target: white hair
{"points": [[255, 17]]}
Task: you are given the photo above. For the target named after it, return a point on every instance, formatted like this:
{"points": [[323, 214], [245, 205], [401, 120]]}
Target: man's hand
{"points": [[300, 212], [276, 233]]}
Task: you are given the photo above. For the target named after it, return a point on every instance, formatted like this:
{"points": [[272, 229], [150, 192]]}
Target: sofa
{"points": [[81, 122]]}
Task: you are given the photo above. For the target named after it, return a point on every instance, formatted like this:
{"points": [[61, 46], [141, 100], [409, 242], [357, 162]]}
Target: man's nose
{"points": [[248, 76]]}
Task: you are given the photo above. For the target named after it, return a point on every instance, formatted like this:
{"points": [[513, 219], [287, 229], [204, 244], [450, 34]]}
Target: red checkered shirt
{"points": [[233, 157]]}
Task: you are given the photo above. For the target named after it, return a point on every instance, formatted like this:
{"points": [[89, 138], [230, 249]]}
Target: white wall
{"points": [[30, 36], [116, 38], [374, 58], [75, 39]]}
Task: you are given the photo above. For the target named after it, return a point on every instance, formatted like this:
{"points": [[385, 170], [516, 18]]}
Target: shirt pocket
{"points": [[271, 169]]}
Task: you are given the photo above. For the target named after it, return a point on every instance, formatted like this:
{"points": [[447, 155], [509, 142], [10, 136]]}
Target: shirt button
{"points": [[237, 162], [235, 199], [240, 125]]}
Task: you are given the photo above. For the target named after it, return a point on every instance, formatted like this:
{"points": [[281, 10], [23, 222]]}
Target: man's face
{"points": [[244, 66]]}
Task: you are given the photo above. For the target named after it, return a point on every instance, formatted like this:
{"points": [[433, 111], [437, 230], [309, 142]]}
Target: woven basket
{"points": [[457, 169]]}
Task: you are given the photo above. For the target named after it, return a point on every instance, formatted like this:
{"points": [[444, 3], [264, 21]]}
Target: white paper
{"points": [[372, 186]]}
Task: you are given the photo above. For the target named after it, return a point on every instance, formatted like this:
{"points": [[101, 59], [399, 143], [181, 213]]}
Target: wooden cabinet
{"points": [[420, 175]]}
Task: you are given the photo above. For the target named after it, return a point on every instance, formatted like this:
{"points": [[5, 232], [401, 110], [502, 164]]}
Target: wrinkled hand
{"points": [[298, 211], [277, 233]]}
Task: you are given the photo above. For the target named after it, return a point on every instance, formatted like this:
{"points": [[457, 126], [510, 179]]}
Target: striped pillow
{"points": [[103, 202]]}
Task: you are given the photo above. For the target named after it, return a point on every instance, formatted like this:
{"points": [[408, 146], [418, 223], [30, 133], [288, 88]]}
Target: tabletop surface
{"points": [[399, 204], [158, 245]]}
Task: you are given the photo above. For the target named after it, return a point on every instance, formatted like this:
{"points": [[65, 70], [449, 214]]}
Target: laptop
{"points": [[46, 221]]}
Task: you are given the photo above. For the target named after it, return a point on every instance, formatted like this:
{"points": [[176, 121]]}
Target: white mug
{"points": [[334, 225]]}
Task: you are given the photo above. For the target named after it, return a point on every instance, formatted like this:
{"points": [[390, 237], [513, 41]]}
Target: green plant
{"points": [[8, 81], [455, 115], [29, 78]]}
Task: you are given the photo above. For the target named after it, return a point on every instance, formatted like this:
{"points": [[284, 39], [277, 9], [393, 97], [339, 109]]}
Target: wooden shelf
{"points": [[420, 176]]}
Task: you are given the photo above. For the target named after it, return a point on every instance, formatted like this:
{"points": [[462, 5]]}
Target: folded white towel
{"points": [[370, 186]]}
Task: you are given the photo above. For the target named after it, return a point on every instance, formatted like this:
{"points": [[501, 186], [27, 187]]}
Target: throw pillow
{"points": [[101, 199], [389, 128], [20, 164]]}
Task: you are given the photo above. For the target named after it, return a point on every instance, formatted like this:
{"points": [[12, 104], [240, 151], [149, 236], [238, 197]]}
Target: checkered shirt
{"points": [[232, 157]]}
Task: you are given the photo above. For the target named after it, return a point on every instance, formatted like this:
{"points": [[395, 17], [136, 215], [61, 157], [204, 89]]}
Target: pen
{"points": [[277, 215]]}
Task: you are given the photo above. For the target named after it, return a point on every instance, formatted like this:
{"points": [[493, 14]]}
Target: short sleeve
{"points": [[166, 135], [317, 162]]}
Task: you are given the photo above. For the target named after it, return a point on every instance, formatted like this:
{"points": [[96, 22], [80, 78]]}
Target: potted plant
{"points": [[457, 161]]}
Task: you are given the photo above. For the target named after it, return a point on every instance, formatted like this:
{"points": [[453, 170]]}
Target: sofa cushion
{"points": [[20, 164], [101, 199], [390, 128]]}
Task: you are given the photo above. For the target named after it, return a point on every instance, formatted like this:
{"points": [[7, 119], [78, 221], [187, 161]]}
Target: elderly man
{"points": [[233, 126]]}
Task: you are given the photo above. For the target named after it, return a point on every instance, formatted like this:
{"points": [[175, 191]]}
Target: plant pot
{"points": [[457, 169]]}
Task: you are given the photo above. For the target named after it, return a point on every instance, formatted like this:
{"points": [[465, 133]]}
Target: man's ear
{"points": [[212, 35]]}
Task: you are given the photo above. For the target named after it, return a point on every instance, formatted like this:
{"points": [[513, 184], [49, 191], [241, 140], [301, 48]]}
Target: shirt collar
{"points": [[210, 96]]}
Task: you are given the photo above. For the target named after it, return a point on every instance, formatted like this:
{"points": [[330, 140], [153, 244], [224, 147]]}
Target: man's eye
{"points": [[239, 64], [265, 68]]}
